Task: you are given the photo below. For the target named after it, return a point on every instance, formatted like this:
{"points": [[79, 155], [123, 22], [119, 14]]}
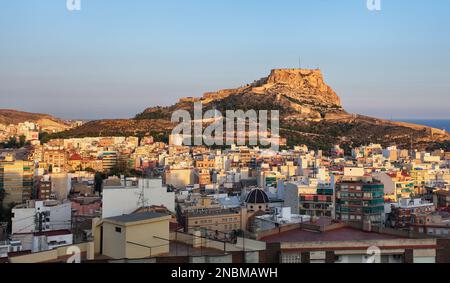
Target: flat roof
{"points": [[137, 217], [341, 234]]}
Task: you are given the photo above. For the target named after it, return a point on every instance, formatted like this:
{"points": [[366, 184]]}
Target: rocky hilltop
{"points": [[311, 113], [300, 93], [305, 86]]}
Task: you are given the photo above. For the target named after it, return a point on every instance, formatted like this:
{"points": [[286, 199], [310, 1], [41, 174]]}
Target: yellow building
{"points": [[16, 178], [218, 222], [205, 163], [56, 160], [420, 177], [135, 236], [178, 177]]}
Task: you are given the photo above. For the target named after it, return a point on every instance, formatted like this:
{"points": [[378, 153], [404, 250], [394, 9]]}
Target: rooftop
{"points": [[201, 212], [341, 234], [137, 217]]}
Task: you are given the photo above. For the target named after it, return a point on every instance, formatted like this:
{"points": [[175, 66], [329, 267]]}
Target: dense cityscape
{"points": [[125, 199], [218, 140]]}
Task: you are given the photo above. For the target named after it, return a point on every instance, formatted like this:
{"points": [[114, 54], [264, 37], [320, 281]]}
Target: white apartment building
{"points": [[35, 216], [122, 200]]}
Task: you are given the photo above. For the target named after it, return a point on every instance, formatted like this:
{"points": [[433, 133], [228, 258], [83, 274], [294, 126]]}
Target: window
{"points": [[118, 230]]}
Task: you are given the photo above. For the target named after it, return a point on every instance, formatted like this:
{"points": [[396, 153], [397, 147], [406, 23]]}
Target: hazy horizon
{"points": [[113, 59]]}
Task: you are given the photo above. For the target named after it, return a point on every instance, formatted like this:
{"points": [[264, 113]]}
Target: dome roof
{"points": [[257, 196]]}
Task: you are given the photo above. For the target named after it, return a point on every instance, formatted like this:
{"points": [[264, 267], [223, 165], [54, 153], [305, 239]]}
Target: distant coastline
{"points": [[443, 124]]}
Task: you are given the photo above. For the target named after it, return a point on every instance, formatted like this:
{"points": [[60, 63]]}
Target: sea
{"points": [[438, 124]]}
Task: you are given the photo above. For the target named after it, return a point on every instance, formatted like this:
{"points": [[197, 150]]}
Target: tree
{"points": [[98, 182], [2, 198], [2, 195], [90, 170], [22, 140], [11, 143]]}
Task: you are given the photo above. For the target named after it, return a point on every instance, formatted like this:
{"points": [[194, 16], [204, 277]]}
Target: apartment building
{"points": [[44, 189], [109, 160], [56, 160], [435, 224], [360, 199], [397, 185], [308, 197], [39, 216], [207, 214], [16, 178], [214, 222], [328, 242], [202, 177], [407, 211], [119, 199], [441, 198]]}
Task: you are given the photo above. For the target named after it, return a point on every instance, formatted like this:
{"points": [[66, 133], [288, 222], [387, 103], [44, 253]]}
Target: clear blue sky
{"points": [[114, 58]]}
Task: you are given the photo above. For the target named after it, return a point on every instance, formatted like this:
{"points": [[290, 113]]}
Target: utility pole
{"points": [[243, 238], [40, 221]]}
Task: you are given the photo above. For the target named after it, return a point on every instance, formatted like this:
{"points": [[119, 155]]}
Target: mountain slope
{"points": [[311, 113], [160, 129], [45, 121]]}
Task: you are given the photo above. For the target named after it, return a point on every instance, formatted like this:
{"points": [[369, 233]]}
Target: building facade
{"points": [[360, 199], [16, 178]]}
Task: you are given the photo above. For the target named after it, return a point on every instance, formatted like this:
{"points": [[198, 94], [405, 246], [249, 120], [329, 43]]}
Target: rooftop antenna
{"points": [[142, 201]]}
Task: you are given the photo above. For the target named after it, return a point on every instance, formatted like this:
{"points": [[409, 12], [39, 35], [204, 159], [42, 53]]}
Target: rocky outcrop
{"points": [[302, 86]]}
